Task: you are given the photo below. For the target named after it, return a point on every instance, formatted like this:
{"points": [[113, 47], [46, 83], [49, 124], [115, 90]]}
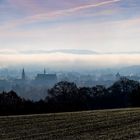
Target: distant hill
{"points": [[68, 51], [130, 69]]}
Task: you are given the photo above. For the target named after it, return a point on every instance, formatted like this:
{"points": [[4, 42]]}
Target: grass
{"points": [[119, 124]]}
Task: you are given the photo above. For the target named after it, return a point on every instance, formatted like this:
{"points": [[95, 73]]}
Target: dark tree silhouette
{"points": [[66, 96], [135, 97], [63, 96]]}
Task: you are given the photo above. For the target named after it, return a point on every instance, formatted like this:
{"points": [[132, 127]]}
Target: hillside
{"points": [[98, 125]]}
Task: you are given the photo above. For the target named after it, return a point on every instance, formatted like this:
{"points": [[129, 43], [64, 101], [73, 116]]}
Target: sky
{"points": [[94, 33]]}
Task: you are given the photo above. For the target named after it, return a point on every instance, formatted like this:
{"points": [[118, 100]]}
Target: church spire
{"points": [[44, 71], [23, 74]]}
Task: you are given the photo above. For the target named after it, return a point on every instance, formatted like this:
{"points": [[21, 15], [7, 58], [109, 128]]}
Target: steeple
{"points": [[44, 71], [23, 74]]}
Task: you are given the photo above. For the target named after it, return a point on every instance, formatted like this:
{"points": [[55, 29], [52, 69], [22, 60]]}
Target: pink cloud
{"points": [[50, 15]]}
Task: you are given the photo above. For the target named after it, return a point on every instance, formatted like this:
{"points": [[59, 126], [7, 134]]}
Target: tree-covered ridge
{"points": [[66, 96]]}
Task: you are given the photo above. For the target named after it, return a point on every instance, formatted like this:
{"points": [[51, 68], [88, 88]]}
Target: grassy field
{"points": [[123, 124]]}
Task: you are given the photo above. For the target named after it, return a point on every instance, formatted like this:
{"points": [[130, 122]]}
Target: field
{"points": [[121, 124]]}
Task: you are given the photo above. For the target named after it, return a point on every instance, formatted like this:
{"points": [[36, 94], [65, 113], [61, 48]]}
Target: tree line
{"points": [[66, 96]]}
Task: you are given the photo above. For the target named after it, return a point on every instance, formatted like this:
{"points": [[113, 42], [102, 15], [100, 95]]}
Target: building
{"points": [[118, 76], [49, 79]]}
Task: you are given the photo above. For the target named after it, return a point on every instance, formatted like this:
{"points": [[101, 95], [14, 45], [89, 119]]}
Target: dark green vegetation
{"points": [[95, 125], [67, 97]]}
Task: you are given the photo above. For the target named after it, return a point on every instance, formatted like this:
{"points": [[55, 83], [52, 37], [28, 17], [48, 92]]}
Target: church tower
{"points": [[23, 74], [44, 71]]}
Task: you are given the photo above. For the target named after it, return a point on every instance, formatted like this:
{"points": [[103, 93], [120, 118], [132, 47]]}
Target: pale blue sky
{"points": [[99, 25]]}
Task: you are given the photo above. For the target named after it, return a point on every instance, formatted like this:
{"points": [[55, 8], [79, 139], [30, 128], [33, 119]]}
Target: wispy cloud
{"points": [[62, 51], [51, 15]]}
